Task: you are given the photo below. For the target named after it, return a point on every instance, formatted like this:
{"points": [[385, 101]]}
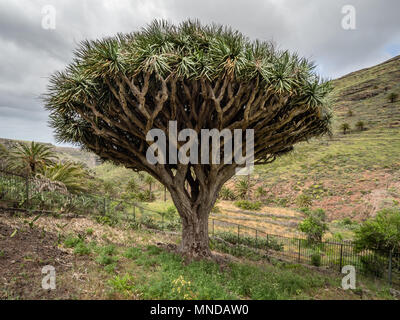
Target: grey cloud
{"points": [[30, 54]]}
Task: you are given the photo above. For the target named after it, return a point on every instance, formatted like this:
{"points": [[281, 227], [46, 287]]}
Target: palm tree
{"points": [[345, 127], [243, 188], [149, 180], [30, 159], [71, 174], [393, 96], [360, 125]]}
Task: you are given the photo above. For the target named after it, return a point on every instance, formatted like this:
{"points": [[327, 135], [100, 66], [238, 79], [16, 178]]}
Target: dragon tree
{"points": [[119, 88]]}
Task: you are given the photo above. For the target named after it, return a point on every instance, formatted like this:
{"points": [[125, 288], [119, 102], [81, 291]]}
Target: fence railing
{"points": [[335, 255], [22, 193]]}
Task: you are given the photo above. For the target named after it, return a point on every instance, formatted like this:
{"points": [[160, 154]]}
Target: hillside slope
{"points": [[349, 175]]}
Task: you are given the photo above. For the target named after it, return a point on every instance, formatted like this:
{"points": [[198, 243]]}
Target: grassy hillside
{"points": [[349, 175]]}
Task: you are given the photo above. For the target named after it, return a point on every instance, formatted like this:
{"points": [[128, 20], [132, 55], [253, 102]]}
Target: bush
{"points": [[72, 242], [243, 188], [373, 265], [170, 212], [82, 249], [248, 205], [304, 201], [261, 192], [227, 194], [381, 232], [108, 220], [314, 225], [259, 243], [145, 196], [316, 259]]}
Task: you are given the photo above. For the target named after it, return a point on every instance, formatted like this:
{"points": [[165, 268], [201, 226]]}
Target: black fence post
{"points": [[134, 212], [213, 221], [299, 258], [238, 235], [341, 258], [27, 197], [390, 268], [104, 206]]}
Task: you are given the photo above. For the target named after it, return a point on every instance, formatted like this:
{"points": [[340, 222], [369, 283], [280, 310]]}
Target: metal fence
{"points": [[22, 193], [334, 255]]}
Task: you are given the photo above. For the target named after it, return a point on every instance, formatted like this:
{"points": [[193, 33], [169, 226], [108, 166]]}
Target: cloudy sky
{"points": [[30, 53]]}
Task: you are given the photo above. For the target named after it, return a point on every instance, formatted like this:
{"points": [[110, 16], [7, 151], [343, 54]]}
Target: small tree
{"points": [[345, 127], [314, 225], [360, 125], [393, 96], [149, 180]]}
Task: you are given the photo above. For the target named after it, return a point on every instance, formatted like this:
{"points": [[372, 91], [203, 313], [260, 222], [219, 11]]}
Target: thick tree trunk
{"points": [[195, 242], [194, 216]]}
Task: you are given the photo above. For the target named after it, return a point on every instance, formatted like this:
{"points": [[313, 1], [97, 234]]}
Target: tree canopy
{"points": [[201, 76]]}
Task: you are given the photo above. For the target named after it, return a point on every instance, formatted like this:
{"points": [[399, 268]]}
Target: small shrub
{"points": [[345, 127], [314, 225], [124, 285], [133, 253], [393, 96], [89, 231], [82, 249], [170, 212], [243, 188], [360, 125], [149, 222], [107, 220], [304, 201], [261, 192], [381, 232], [248, 205], [106, 256], [72, 242], [373, 265], [145, 196], [227, 194], [316, 259]]}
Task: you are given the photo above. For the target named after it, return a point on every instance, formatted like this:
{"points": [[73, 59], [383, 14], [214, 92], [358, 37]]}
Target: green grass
{"points": [[163, 275]]}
